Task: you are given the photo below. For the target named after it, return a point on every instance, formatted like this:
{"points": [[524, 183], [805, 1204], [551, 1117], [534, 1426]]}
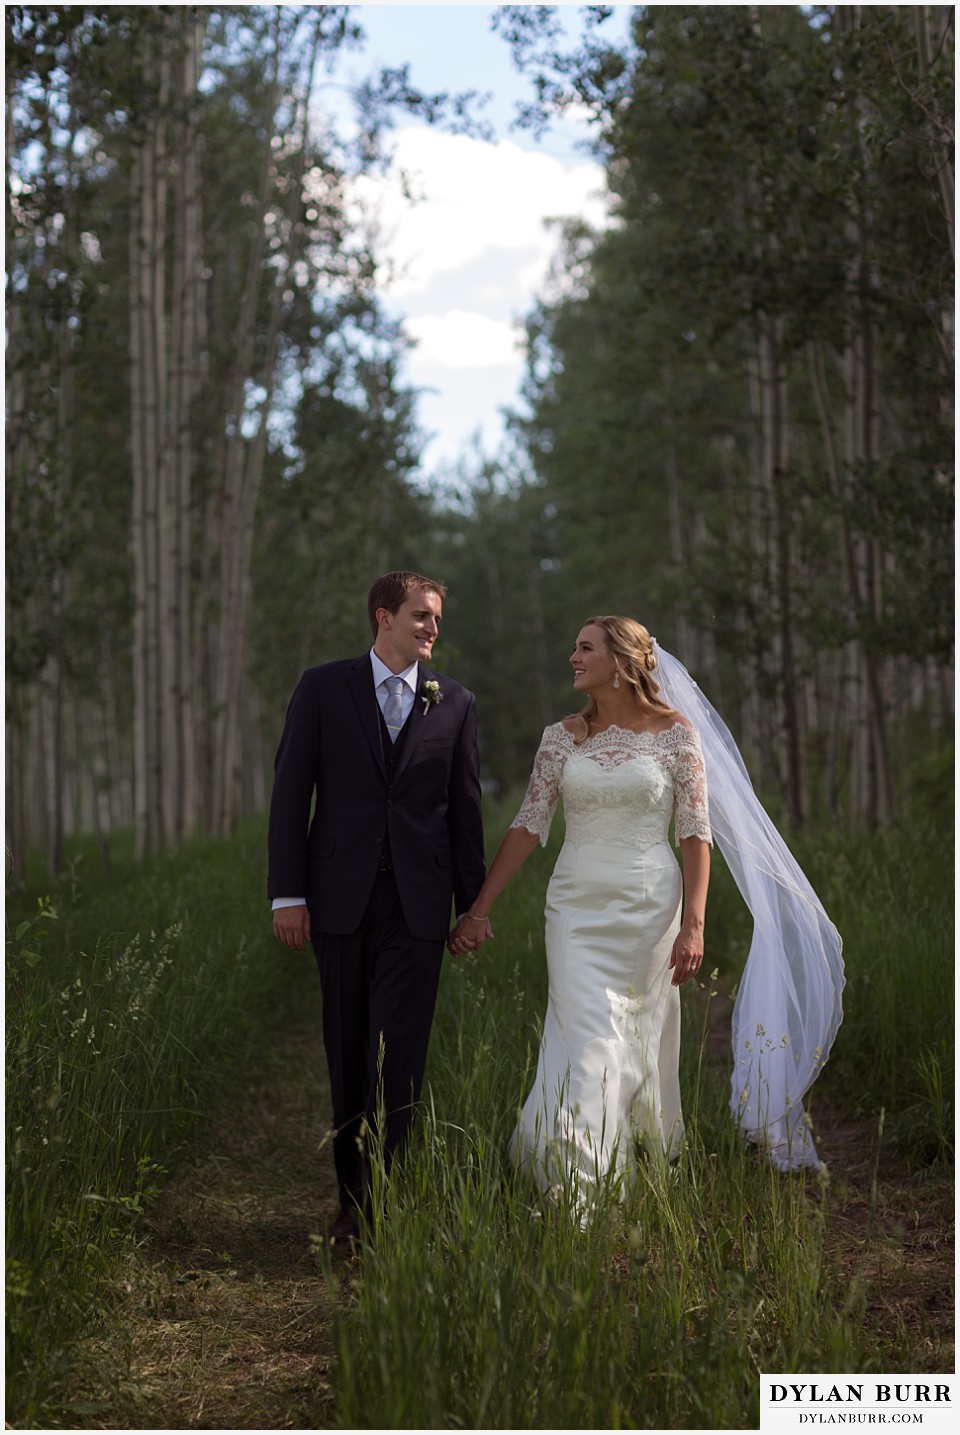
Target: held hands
{"points": [[473, 928], [291, 926], [469, 935], [687, 955]]}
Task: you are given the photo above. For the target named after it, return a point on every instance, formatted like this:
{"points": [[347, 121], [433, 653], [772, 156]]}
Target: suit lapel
{"points": [[360, 679]]}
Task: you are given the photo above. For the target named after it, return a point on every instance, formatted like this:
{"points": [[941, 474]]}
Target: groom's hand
{"points": [[469, 936], [291, 926], [459, 941]]}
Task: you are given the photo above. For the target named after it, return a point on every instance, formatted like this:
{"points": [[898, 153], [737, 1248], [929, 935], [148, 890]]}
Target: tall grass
{"points": [[483, 1306], [130, 1006], [890, 895], [133, 1002]]}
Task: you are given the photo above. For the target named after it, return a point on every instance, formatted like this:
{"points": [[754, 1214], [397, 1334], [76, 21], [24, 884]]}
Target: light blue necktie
{"points": [[393, 708]]}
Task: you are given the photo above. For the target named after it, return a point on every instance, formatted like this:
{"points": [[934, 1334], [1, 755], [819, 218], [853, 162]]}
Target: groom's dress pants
{"points": [[379, 991]]}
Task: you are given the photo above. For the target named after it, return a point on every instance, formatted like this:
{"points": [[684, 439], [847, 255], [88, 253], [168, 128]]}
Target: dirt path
{"points": [[892, 1230], [224, 1324]]}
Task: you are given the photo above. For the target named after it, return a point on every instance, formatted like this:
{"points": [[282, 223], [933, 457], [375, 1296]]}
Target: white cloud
{"points": [[460, 339], [477, 198], [454, 404], [471, 256]]}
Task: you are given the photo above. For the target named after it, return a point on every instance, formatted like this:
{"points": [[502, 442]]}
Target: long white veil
{"points": [[788, 1006]]}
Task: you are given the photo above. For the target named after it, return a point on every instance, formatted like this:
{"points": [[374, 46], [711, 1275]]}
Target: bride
{"points": [[623, 933]]}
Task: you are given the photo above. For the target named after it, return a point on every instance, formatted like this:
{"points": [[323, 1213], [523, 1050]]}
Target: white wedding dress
{"points": [[608, 1070]]}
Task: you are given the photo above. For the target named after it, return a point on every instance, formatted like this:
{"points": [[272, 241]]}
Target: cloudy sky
{"points": [[473, 252]]}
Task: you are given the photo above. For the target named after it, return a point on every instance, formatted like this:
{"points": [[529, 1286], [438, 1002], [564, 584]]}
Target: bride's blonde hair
{"points": [[630, 645]]}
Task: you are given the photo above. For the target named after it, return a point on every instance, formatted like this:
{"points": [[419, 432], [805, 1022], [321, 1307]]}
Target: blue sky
{"points": [[453, 47], [474, 252]]}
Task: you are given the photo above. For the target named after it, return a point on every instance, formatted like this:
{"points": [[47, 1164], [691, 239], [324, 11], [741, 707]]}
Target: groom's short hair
{"points": [[392, 589]]}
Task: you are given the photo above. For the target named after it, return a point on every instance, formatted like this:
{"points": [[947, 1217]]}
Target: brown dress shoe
{"points": [[344, 1228]]}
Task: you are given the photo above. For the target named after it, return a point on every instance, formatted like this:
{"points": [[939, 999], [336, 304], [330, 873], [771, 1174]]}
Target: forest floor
{"points": [[224, 1321]]}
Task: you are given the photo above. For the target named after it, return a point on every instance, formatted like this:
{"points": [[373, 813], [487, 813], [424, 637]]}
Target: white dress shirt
{"points": [[409, 675], [407, 697]]}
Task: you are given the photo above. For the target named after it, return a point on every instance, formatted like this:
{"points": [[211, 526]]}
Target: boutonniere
{"points": [[431, 694]]}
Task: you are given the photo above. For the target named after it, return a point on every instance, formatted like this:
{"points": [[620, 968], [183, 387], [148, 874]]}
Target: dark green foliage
{"points": [[337, 505], [751, 155], [131, 1006]]}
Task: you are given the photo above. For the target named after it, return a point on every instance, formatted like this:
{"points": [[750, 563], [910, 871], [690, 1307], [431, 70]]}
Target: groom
{"points": [[390, 750]]}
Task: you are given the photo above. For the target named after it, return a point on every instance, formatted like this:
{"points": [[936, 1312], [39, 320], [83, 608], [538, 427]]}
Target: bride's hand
{"points": [[469, 935], [687, 955]]}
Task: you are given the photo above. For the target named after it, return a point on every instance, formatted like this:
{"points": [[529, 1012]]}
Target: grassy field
{"points": [[141, 1008], [133, 1003]]}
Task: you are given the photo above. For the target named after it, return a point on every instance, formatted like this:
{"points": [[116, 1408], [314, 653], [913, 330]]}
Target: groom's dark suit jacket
{"points": [[427, 818]]}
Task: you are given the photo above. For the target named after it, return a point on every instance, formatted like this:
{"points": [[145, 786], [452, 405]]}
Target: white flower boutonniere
{"points": [[431, 694]]}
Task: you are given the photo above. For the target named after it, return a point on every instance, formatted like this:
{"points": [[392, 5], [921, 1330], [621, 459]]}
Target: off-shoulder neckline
{"points": [[631, 731]]}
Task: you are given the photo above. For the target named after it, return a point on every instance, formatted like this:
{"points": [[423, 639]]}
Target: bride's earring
{"points": [[616, 678]]}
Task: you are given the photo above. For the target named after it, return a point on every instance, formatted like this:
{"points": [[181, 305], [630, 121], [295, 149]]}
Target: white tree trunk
{"points": [[179, 778], [148, 410], [243, 460], [933, 23], [163, 379], [860, 448]]}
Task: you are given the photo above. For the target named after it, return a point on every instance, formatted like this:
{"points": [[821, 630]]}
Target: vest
{"points": [[391, 756]]}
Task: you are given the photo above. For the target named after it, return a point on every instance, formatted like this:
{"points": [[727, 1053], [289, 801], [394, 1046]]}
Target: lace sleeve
{"points": [[690, 790], [540, 803]]}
